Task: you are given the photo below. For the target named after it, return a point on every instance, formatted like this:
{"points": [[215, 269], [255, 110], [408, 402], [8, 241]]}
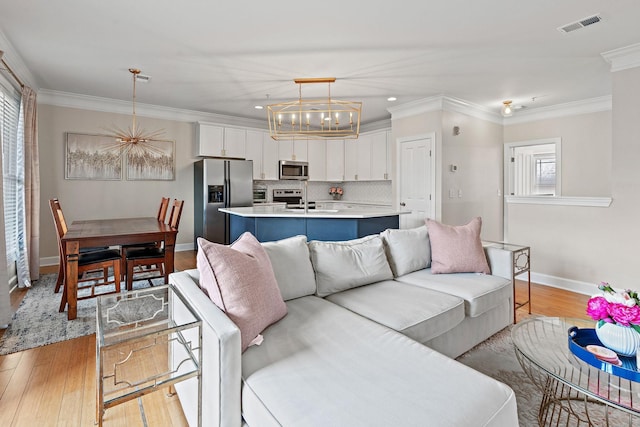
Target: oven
{"points": [[259, 195]]}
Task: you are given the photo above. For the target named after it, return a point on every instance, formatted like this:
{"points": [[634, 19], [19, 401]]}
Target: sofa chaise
{"points": [[368, 339]]}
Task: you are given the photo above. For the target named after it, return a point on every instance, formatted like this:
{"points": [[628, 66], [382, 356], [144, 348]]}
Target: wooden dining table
{"points": [[112, 232]]}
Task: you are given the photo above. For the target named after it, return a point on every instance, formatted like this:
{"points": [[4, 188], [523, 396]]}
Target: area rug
{"points": [[37, 321], [496, 358]]}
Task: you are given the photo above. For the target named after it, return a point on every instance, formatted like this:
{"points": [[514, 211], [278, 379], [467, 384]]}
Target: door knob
{"points": [[403, 204]]}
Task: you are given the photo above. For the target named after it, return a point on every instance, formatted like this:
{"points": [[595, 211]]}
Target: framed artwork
{"points": [[92, 157], [156, 161]]}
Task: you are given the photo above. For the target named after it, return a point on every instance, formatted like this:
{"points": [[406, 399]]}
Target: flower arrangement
{"points": [[336, 192], [617, 307]]}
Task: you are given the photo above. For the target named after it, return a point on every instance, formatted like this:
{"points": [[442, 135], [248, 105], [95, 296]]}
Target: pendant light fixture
{"points": [[314, 118], [134, 138]]}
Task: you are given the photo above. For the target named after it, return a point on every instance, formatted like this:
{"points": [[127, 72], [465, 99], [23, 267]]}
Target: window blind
{"points": [[10, 133]]}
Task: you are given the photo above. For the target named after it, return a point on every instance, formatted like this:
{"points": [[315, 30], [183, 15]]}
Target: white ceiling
{"points": [[225, 57]]}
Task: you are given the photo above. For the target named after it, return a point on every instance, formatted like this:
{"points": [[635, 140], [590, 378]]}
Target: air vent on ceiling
{"points": [[580, 24], [142, 78]]}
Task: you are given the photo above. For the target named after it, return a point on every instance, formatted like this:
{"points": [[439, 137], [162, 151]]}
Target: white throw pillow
{"points": [[408, 250], [292, 266], [344, 265]]}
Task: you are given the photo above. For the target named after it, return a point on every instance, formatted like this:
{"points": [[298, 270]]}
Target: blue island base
{"points": [[268, 229]]}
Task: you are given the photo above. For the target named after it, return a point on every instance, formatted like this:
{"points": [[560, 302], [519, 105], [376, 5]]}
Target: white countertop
{"points": [[279, 212]]}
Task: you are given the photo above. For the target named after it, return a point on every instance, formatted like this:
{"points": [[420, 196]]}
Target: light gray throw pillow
{"points": [[292, 266], [349, 264], [408, 250]]}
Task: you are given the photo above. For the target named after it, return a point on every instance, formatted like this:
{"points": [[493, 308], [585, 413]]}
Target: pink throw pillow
{"points": [[457, 249], [239, 279]]}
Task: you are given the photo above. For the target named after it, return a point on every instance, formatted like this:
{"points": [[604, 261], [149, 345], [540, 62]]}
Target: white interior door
{"points": [[415, 177]]}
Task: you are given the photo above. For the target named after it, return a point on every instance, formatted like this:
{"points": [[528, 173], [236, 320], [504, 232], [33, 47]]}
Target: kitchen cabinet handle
{"points": [[403, 204]]}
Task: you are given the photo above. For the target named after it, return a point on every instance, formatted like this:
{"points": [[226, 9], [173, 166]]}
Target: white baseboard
{"points": [[562, 283], [53, 260]]}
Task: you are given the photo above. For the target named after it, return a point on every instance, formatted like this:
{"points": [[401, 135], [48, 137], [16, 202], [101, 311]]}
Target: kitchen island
{"points": [[270, 223]]}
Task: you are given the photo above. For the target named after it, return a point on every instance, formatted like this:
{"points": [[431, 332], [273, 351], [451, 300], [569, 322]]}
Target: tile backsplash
{"points": [[354, 191]]}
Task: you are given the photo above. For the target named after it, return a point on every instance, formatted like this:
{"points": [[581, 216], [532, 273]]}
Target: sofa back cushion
{"points": [[348, 264], [457, 249], [292, 266], [408, 250], [240, 281]]}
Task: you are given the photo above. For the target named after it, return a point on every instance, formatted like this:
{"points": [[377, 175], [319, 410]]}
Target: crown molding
{"points": [[623, 58], [108, 105], [16, 63], [443, 103], [593, 105]]}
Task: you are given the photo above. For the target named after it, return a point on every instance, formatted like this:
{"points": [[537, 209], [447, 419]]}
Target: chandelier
{"points": [[314, 118], [134, 138]]}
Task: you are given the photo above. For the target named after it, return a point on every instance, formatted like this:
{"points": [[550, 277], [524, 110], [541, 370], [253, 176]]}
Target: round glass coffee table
{"points": [[574, 392]]}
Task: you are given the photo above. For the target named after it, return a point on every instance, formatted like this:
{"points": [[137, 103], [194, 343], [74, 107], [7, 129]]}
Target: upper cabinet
{"points": [[219, 141], [293, 150], [335, 160], [381, 155], [367, 158], [317, 150], [262, 150]]}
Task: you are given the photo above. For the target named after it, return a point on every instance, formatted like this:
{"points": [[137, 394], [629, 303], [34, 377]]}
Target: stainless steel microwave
{"points": [[290, 169]]}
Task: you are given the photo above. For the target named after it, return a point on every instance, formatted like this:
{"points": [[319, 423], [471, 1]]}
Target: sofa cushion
{"points": [[240, 281], [407, 249], [419, 313], [323, 365], [481, 292], [457, 249], [292, 266], [348, 264]]}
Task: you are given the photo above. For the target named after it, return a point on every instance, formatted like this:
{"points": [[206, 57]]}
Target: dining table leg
{"points": [[71, 278], [169, 252]]}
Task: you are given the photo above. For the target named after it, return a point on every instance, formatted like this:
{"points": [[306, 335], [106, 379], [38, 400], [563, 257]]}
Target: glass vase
{"points": [[621, 339]]}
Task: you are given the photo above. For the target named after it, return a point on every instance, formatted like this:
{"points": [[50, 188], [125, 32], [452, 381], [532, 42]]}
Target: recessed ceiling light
{"points": [[258, 107], [391, 98]]}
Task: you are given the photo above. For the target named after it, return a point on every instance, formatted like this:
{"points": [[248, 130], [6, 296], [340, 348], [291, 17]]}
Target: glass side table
{"points": [[136, 340], [519, 263]]}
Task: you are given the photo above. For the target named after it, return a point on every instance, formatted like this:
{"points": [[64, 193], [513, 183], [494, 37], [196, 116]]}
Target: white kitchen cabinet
{"points": [[293, 150], [357, 159], [262, 150], [209, 140], [335, 159], [219, 141], [380, 156], [317, 150], [234, 142]]}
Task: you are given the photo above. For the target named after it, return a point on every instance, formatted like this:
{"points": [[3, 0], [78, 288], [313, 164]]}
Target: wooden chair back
{"points": [[176, 213], [164, 206], [58, 218]]}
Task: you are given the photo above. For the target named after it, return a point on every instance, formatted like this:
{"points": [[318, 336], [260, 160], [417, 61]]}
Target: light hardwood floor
{"points": [[55, 384]]}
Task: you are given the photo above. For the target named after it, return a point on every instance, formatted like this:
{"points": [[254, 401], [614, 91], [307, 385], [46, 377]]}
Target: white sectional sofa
{"points": [[368, 340]]}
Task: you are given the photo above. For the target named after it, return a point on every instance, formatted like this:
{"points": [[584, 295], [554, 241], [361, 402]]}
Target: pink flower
{"points": [[624, 315], [597, 308]]}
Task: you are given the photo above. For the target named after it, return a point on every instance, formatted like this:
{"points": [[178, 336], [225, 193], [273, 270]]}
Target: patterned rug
{"points": [[496, 358], [37, 321]]}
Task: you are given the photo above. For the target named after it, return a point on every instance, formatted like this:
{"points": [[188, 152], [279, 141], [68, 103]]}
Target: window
{"points": [[532, 168], [13, 175]]}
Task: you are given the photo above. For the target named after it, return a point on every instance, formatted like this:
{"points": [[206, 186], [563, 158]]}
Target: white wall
{"points": [[107, 199], [477, 151], [577, 247]]}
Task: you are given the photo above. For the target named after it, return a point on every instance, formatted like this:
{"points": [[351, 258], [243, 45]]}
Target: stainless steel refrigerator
{"points": [[220, 183]]}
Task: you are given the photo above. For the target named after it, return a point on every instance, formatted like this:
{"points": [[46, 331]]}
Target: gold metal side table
{"points": [[136, 338], [519, 262]]}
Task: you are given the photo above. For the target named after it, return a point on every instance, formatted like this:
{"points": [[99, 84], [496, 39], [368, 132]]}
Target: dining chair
{"points": [[161, 216], [151, 256], [89, 260], [60, 280]]}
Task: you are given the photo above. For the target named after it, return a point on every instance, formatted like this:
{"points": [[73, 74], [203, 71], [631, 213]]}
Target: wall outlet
{"points": [[452, 193], [459, 194]]}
